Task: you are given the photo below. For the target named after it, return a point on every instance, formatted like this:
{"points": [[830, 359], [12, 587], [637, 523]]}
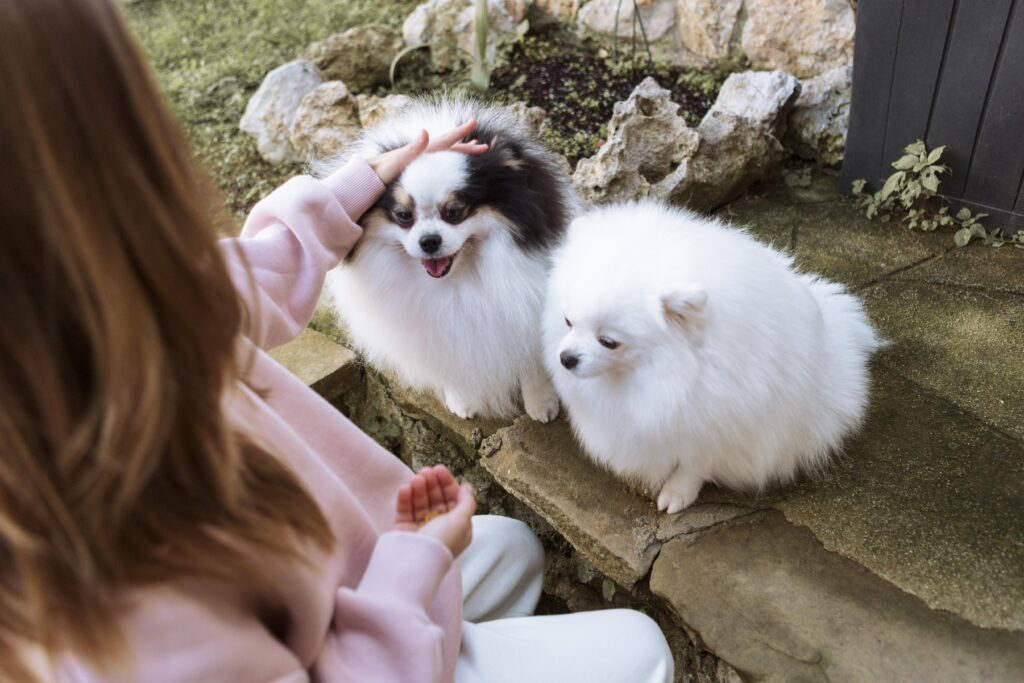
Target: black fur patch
{"points": [[519, 183]]}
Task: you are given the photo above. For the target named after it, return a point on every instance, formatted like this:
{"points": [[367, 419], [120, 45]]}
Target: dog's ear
{"points": [[685, 304]]}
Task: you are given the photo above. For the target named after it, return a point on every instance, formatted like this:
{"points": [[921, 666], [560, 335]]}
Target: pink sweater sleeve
{"points": [[381, 629], [290, 240]]}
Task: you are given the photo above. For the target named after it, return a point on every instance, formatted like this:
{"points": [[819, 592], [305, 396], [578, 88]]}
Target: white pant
{"points": [[502, 573]]}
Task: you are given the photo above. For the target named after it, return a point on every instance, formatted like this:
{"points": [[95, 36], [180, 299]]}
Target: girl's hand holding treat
{"points": [[433, 503]]}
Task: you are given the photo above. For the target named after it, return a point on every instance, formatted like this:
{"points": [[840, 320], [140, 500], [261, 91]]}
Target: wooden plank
{"points": [[1008, 221], [977, 31], [922, 42], [874, 55], [1019, 207], [993, 176]]}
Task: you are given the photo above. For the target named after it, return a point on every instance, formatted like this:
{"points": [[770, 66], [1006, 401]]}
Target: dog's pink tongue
{"points": [[436, 266]]}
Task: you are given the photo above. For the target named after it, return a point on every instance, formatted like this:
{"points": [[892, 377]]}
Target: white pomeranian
{"points": [[686, 351], [446, 287]]}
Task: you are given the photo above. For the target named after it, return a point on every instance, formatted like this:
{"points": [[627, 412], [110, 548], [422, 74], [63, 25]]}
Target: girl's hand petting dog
{"points": [[433, 503], [390, 165]]}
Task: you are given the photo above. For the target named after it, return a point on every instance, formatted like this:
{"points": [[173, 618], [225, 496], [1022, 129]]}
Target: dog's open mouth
{"points": [[438, 267]]}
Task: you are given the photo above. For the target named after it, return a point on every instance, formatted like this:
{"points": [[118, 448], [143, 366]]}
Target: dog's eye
{"points": [[452, 214], [608, 343], [568, 323], [403, 217]]}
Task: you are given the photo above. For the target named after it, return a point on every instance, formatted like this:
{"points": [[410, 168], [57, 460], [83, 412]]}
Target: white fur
{"points": [[470, 337], [732, 366]]}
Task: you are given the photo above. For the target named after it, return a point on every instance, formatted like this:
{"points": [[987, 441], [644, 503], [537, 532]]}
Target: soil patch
{"points": [[578, 84]]}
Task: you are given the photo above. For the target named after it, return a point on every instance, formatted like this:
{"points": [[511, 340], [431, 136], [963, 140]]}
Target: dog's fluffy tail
{"points": [[850, 340]]}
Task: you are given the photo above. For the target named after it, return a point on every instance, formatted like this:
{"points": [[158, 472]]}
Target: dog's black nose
{"points": [[569, 360], [430, 243]]}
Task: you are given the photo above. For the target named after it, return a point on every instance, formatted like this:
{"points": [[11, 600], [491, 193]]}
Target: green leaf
{"points": [[936, 154], [905, 163], [963, 214], [871, 212], [978, 231], [916, 148], [858, 186], [930, 182], [892, 183], [398, 58], [962, 237]]}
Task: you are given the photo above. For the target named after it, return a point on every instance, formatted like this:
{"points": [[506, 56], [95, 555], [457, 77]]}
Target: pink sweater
{"points": [[383, 605]]}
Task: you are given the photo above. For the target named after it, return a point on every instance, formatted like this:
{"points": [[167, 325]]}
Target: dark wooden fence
{"points": [[950, 72]]}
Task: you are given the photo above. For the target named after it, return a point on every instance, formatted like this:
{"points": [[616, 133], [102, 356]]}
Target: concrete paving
{"points": [[905, 560]]}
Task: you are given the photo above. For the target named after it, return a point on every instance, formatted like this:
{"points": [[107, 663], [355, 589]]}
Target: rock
{"points": [[611, 525], [324, 366], [765, 596], [560, 9], [447, 26], [529, 118], [739, 141], [646, 139], [658, 17], [821, 115], [270, 112], [563, 165], [373, 109], [706, 27], [361, 56], [697, 518], [651, 151], [758, 97], [326, 121], [802, 37]]}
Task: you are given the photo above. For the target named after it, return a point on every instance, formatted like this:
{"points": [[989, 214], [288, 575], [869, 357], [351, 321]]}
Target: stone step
{"points": [[856, 577], [904, 561]]}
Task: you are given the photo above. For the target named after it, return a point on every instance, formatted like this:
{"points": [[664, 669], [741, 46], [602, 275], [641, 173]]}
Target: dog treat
{"points": [[433, 514]]}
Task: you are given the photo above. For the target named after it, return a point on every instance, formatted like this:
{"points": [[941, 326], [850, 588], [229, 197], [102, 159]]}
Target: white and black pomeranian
{"points": [[686, 351], [446, 287]]}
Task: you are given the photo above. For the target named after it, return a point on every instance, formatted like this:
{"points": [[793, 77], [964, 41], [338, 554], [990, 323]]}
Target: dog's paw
{"points": [[541, 405], [679, 492], [458, 407]]}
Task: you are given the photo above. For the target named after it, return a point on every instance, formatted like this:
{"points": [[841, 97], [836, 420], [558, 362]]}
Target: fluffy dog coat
{"points": [[685, 351], [446, 287]]}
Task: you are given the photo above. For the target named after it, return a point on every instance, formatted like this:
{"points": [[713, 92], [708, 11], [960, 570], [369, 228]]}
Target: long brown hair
{"points": [[118, 333]]}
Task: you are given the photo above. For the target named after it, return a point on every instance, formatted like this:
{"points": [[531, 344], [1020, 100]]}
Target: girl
{"points": [[174, 506]]}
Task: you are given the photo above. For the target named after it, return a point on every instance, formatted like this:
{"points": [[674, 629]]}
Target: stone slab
{"points": [[829, 235], [467, 434], [966, 344], [999, 269], [320, 363], [611, 525], [928, 498], [770, 600]]}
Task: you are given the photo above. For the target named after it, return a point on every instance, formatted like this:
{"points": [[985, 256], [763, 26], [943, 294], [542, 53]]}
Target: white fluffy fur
{"points": [[732, 366], [470, 337]]}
